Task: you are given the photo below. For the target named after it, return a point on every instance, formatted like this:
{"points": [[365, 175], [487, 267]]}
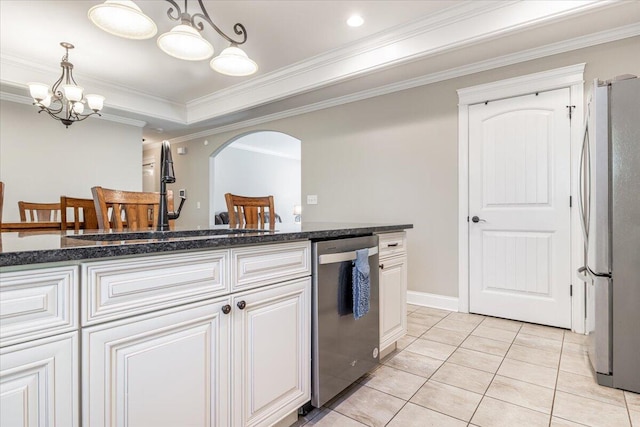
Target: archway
{"points": [[257, 164]]}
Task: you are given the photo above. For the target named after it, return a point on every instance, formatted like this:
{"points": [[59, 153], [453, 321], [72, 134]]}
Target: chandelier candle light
{"points": [[65, 100], [125, 19]]}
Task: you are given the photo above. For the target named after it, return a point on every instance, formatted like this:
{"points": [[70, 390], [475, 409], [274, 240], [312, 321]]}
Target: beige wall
{"points": [[40, 159], [393, 158]]}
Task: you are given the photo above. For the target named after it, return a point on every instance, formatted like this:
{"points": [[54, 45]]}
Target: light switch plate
{"points": [[312, 199]]}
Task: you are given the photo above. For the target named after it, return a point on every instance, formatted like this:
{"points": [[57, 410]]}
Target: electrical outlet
{"points": [[312, 199]]}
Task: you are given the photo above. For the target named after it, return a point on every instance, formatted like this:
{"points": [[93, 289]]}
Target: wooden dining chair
{"points": [[133, 210], [250, 210], [84, 213], [39, 212]]}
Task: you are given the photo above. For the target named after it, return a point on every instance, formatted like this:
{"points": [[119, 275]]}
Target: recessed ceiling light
{"points": [[355, 21]]}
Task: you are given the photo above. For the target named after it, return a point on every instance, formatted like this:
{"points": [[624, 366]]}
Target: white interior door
{"points": [[519, 188]]}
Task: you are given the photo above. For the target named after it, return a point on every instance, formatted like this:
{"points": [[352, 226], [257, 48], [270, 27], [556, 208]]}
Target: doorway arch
{"points": [[257, 163]]}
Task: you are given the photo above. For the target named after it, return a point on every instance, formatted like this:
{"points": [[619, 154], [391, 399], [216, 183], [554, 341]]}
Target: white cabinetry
{"points": [[167, 368], [231, 359], [393, 289], [39, 347], [271, 352]]}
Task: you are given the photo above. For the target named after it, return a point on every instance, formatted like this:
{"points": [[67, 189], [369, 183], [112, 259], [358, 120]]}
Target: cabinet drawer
{"points": [[262, 265], [116, 289], [37, 303], [392, 243]]}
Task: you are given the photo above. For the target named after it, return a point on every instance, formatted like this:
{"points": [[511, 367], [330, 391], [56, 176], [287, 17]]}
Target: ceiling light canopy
{"points": [[65, 101], [184, 41]]}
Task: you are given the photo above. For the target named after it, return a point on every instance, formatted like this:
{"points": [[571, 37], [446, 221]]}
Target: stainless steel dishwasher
{"points": [[343, 348]]}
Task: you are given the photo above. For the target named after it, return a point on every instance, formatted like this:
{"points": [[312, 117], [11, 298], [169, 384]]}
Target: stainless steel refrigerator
{"points": [[610, 207]]}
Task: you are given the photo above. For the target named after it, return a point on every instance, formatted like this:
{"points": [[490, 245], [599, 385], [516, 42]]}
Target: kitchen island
{"points": [[187, 327]]}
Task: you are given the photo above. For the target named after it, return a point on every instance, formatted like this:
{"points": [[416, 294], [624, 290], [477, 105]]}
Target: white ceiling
{"points": [[306, 53]]}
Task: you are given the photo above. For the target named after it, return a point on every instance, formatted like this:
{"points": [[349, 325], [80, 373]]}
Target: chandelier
{"points": [[64, 102], [125, 19]]}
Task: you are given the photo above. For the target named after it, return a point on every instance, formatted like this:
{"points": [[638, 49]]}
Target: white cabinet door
{"points": [[271, 352], [168, 368], [393, 300], [39, 383]]}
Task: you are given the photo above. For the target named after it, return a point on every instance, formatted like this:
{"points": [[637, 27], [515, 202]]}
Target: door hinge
{"points": [[570, 290], [570, 107], [467, 218], [570, 201]]}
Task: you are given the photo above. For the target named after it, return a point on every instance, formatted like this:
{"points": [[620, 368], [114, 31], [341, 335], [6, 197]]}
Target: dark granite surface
{"points": [[23, 248]]}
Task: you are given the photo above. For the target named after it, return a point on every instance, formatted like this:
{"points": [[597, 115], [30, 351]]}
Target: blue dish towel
{"points": [[361, 284]]}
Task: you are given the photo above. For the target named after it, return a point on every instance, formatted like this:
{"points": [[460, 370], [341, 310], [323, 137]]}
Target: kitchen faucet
{"points": [[167, 176]]}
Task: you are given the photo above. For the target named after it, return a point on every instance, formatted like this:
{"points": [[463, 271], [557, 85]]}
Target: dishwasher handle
{"points": [[343, 256]]}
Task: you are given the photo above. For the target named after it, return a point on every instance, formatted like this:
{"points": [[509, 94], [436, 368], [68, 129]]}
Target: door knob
{"points": [[242, 305], [476, 219], [226, 309]]}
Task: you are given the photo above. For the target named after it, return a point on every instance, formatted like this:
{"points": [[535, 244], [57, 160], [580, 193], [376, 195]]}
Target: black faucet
{"points": [[167, 176]]}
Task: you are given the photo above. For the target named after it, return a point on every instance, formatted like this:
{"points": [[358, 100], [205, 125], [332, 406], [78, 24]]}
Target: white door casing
{"points": [[566, 77], [519, 185]]}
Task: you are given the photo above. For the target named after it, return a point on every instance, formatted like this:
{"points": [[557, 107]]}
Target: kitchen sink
{"points": [[165, 235]]}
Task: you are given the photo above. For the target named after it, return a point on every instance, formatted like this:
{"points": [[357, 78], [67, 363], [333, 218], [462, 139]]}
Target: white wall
{"points": [[41, 160], [253, 174]]}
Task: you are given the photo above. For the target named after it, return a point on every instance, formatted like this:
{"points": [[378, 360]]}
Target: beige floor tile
{"points": [[416, 329], [450, 400], [633, 401], [412, 307], [520, 393], [405, 341], [486, 345], [456, 325], [414, 363], [577, 363], [538, 342], [588, 411], [587, 387], [368, 406], [550, 359], [534, 374], [574, 338], [433, 311], [429, 348], [445, 336], [423, 319], [506, 324], [494, 333], [559, 422], [475, 319], [476, 359], [417, 416], [569, 347], [463, 377], [496, 413], [543, 331], [635, 418], [394, 382], [329, 418]]}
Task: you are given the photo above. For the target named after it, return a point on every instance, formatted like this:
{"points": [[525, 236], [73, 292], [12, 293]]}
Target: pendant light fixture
{"points": [[184, 41], [64, 102]]}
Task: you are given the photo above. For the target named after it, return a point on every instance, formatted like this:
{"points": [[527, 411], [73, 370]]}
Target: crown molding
{"points": [[20, 99], [452, 28], [594, 39]]}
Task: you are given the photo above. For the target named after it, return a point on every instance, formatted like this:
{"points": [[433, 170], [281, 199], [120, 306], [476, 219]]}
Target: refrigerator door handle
{"points": [[584, 173]]}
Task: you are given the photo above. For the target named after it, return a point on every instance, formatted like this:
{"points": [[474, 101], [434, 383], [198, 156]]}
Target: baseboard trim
{"points": [[432, 300]]}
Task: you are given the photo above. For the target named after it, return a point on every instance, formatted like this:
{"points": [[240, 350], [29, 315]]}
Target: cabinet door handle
{"points": [[392, 245], [382, 266], [226, 309], [242, 305]]}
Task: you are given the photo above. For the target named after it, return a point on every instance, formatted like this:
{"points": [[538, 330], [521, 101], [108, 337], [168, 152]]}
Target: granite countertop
{"points": [[23, 248]]}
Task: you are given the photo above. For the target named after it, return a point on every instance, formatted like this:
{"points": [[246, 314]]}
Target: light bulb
{"points": [[78, 107]]}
